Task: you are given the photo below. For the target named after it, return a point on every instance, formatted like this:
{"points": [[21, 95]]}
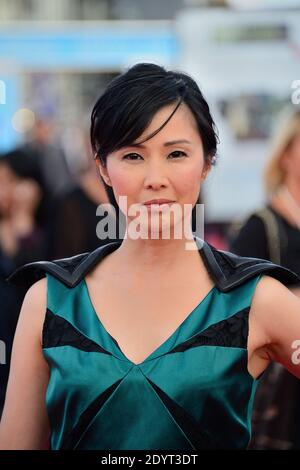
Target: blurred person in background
{"points": [[46, 158], [273, 233], [74, 217], [21, 240]]}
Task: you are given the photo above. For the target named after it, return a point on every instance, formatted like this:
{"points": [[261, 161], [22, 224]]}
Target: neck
{"points": [[152, 255]]}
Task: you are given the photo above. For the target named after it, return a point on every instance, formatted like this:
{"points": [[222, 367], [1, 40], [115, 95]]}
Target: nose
{"points": [[156, 176]]}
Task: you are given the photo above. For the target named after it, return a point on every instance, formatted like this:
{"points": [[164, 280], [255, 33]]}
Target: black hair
{"points": [[128, 104], [21, 163], [130, 101]]}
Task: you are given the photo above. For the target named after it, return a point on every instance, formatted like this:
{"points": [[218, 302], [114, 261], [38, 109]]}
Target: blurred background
{"points": [[55, 60]]}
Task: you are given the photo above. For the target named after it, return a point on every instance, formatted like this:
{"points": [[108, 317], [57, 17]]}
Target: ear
{"points": [[103, 171]]}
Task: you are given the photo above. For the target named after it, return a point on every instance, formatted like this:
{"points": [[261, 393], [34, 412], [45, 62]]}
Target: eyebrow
{"points": [[166, 144]]}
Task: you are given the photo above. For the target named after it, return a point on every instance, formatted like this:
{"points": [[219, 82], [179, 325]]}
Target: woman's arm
{"points": [[24, 424], [276, 313]]}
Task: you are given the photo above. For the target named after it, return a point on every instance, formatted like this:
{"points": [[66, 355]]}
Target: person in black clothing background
{"points": [[273, 233]]}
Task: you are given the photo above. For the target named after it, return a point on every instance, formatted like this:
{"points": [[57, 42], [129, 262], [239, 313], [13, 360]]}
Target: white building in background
{"points": [[246, 63]]}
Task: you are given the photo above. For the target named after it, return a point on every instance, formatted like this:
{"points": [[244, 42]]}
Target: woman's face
{"points": [[170, 165]]}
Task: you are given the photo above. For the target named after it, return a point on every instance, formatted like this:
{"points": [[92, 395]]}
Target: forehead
{"points": [[182, 124]]}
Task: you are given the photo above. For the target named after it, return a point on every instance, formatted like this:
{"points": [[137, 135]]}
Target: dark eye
{"points": [[129, 155], [178, 154]]}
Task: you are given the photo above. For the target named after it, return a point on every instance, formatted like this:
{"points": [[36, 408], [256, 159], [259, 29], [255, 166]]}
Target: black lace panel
{"points": [[59, 332], [232, 332]]}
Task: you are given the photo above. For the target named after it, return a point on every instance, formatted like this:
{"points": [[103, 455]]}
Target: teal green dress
{"points": [[192, 392]]}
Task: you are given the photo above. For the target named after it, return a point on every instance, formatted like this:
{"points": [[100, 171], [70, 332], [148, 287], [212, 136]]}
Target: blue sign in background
{"points": [[100, 46], [8, 136]]}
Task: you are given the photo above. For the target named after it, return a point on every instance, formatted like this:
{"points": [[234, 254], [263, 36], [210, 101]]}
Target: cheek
{"points": [[124, 182], [188, 183]]}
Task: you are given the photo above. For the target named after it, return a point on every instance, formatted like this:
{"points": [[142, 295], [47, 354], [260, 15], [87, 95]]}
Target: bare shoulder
{"points": [[271, 301], [37, 293], [269, 296], [34, 306], [268, 286]]}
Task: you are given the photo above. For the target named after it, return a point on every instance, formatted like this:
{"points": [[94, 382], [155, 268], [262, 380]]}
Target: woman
{"points": [[274, 233], [145, 343]]}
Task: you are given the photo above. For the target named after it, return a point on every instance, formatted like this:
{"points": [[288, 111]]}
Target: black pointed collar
{"points": [[226, 269]]}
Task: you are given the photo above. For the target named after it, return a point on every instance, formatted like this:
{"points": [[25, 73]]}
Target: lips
{"points": [[158, 201]]}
